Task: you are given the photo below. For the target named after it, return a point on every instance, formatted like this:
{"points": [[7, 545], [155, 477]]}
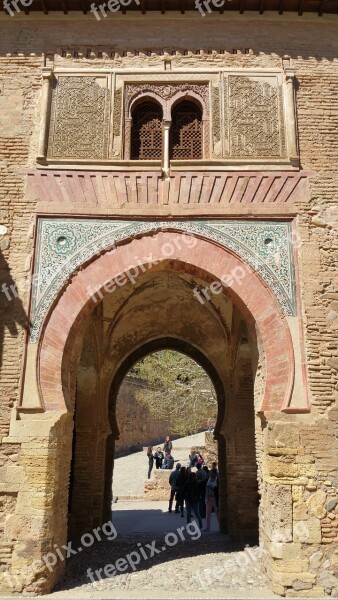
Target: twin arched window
{"points": [[185, 131]]}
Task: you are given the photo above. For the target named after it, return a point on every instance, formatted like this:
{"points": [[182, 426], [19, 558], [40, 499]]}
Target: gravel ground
{"points": [[208, 566]]}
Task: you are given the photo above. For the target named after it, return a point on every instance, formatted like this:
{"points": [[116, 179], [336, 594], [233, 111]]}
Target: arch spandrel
{"points": [[254, 299]]}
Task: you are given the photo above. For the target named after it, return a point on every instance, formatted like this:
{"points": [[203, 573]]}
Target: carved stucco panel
{"points": [[80, 112], [255, 117]]}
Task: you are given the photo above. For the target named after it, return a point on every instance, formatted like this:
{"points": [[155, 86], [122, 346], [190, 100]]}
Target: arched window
{"points": [[186, 131], [146, 132]]}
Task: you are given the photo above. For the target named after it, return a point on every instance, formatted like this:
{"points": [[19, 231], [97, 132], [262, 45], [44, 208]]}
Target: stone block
{"points": [[285, 551], [279, 502], [300, 511], [307, 532], [315, 592], [316, 503]]}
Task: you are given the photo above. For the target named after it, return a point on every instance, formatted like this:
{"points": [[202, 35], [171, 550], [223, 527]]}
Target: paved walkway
{"points": [[130, 472]]}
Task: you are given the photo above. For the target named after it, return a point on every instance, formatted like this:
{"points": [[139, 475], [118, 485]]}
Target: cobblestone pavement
{"points": [[130, 472], [207, 568], [190, 564]]}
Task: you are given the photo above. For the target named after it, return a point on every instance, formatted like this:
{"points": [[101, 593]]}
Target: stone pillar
{"points": [[127, 139], [38, 524], [291, 126], [46, 95], [166, 149]]}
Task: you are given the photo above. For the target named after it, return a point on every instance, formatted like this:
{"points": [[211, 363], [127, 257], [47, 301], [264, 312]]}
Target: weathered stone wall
{"points": [[299, 452], [137, 426]]}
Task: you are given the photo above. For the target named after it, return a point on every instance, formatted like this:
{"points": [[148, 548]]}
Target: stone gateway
{"points": [[169, 181]]}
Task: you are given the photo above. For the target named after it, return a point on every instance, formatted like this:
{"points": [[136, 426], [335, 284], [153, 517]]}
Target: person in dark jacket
{"points": [[167, 446], [168, 462], [192, 499], [173, 488], [159, 457], [150, 460], [181, 482]]}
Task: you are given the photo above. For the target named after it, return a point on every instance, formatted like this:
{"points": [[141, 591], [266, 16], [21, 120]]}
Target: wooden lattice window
{"points": [[186, 131], [147, 132]]}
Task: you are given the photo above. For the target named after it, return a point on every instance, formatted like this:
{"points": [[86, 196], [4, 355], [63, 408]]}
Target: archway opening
{"points": [[128, 325], [146, 131], [164, 392], [186, 131]]}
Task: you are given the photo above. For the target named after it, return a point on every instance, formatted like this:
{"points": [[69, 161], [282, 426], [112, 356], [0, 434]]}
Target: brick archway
{"points": [[59, 341]]}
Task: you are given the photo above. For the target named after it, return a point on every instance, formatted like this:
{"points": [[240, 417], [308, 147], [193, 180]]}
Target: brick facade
{"points": [[296, 451]]}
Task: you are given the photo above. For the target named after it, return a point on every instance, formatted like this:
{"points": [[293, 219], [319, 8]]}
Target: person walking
{"points": [[150, 460], [181, 482], [159, 457], [173, 487], [192, 499], [210, 497], [167, 446]]}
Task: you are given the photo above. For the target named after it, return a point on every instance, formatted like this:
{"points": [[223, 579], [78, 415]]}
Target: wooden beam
{"points": [[44, 6], [301, 7], [321, 8]]}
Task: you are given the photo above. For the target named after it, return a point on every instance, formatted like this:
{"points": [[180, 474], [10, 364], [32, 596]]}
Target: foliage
{"points": [[177, 389]]}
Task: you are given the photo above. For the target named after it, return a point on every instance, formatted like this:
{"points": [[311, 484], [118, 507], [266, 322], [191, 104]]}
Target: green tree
{"points": [[178, 389]]}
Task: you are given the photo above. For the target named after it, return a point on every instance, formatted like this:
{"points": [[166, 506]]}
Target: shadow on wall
{"points": [[12, 314]]}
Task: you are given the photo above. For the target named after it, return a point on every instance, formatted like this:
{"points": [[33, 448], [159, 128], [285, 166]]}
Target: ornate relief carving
{"points": [[79, 126], [216, 124], [133, 90], [117, 112], [226, 147], [63, 245], [254, 119]]}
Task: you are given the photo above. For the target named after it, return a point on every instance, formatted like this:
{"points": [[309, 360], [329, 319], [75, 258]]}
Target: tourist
{"points": [[210, 497], [196, 459], [192, 499], [173, 487], [167, 446], [159, 457], [168, 462], [150, 460], [201, 478], [214, 467], [181, 483]]}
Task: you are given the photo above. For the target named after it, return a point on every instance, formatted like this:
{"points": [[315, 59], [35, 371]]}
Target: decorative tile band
{"points": [[63, 245]]}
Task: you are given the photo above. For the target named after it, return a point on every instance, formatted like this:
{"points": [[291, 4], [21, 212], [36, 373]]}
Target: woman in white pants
{"points": [[210, 497]]}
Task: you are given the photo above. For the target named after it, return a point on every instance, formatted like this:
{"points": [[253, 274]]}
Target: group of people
{"points": [[197, 490], [163, 458]]}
